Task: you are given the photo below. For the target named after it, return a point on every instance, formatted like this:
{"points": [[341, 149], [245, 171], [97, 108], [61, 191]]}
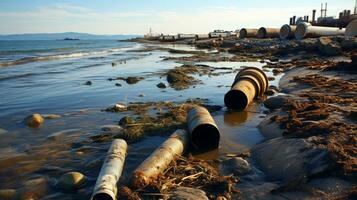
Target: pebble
{"points": [[72, 180], [88, 83], [7, 194], [276, 102], [141, 95], [186, 193], [34, 121], [118, 84], [161, 85], [237, 166]]}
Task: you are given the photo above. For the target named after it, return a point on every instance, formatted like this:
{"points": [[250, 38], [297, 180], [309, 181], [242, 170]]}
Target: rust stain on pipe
{"points": [[268, 32], [248, 33], [250, 83], [204, 132], [106, 185], [287, 32]]}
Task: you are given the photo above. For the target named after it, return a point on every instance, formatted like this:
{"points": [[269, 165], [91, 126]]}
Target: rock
{"points": [[72, 180], [114, 64], [270, 129], [113, 129], [7, 194], [237, 166], [291, 160], [141, 95], [34, 121], [328, 47], [133, 80], [88, 83], [186, 193], [161, 85], [117, 108], [126, 120], [349, 44], [276, 102], [118, 84], [51, 116]]}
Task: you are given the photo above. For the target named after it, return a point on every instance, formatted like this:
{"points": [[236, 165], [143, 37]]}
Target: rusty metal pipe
{"points": [[287, 32], [106, 185], [268, 32], [306, 30], [204, 132], [351, 30], [250, 83], [248, 33]]}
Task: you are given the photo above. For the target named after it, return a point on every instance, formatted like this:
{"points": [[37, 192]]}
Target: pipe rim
{"points": [[301, 30], [232, 95], [262, 32], [260, 71], [285, 32]]}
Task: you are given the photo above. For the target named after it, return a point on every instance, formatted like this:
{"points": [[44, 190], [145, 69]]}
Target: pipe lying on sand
{"points": [[106, 185], [287, 32], [351, 30], [204, 133], [306, 30], [250, 83], [268, 32], [202, 36], [248, 33], [160, 159]]}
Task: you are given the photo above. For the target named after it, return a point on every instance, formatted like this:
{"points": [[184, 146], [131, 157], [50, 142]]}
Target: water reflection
{"points": [[234, 118]]}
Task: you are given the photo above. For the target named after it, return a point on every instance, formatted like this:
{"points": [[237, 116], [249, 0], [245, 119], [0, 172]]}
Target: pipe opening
{"points": [[243, 33], [102, 196], [205, 137], [236, 100], [300, 31], [262, 33], [285, 31]]}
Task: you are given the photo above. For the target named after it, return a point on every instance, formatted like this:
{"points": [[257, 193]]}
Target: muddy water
{"points": [[62, 145]]}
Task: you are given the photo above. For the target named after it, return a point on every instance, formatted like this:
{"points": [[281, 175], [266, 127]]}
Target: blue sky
{"points": [[166, 16]]}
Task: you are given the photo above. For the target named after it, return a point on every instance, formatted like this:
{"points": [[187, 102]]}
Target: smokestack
{"points": [[355, 8], [294, 20], [340, 16], [291, 21], [313, 15], [307, 18]]}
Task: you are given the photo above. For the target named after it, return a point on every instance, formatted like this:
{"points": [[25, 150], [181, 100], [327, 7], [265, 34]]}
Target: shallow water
{"points": [[57, 86]]}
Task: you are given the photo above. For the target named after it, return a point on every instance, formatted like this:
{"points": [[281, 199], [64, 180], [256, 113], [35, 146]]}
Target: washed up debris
{"points": [[119, 107], [160, 159], [129, 80], [161, 85], [34, 121], [106, 185]]}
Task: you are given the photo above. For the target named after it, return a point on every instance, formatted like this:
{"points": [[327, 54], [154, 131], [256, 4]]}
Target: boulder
{"points": [[237, 166], [186, 193], [277, 102], [113, 129], [72, 180], [349, 44], [328, 47], [34, 121]]}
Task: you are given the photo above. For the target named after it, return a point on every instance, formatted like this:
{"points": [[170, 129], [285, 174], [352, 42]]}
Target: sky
{"points": [[163, 16]]}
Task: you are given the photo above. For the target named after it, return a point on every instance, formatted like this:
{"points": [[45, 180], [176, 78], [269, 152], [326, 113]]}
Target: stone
{"points": [[270, 92], [51, 116], [114, 129], [141, 95], [118, 84], [237, 166], [133, 80], [88, 83], [72, 180], [277, 102], [7, 194], [349, 44], [186, 193], [34, 121], [126, 120], [328, 47], [161, 85]]}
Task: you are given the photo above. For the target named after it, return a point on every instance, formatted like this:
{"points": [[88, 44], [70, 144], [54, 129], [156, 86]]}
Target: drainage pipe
{"points": [[160, 159], [203, 130], [202, 36], [287, 32], [250, 83], [248, 33], [106, 185], [268, 32], [351, 30], [306, 30]]}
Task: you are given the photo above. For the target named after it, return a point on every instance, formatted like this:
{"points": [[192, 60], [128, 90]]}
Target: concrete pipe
{"points": [[202, 36], [203, 130], [306, 30], [248, 33], [250, 83], [268, 32], [287, 32], [351, 30], [106, 185]]}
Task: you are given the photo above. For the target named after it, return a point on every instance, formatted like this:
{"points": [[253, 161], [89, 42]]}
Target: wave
{"points": [[26, 60]]}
